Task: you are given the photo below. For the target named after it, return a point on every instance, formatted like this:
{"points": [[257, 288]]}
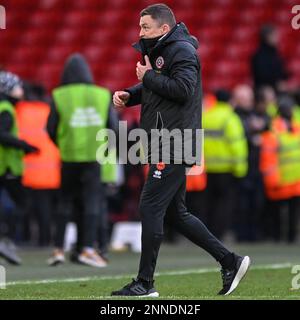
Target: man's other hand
{"points": [[141, 69], [120, 98]]}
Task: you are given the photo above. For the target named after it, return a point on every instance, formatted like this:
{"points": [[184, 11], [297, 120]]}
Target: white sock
{"points": [[89, 250]]}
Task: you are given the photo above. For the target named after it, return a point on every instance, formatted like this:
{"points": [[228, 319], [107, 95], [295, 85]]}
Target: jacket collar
{"points": [[178, 33]]}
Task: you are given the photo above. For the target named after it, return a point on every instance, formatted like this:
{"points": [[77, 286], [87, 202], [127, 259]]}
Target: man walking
{"points": [[170, 94]]}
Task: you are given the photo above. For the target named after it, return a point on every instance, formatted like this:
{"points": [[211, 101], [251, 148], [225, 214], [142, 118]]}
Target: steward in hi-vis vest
{"points": [[12, 150], [42, 170], [226, 161], [80, 109], [280, 167], [11, 159]]}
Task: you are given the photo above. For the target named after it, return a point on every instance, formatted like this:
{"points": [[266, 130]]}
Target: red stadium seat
{"points": [[104, 31]]}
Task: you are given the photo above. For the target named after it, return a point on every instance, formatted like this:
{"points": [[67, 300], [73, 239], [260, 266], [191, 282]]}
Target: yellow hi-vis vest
{"points": [[289, 157], [225, 144]]}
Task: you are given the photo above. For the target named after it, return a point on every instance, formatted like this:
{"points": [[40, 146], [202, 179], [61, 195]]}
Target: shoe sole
{"points": [[150, 295], [240, 275], [10, 260], [91, 263], [55, 263]]}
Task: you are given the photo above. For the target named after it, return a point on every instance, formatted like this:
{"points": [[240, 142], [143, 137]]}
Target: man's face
{"points": [[273, 38], [243, 97], [17, 92], [151, 29]]}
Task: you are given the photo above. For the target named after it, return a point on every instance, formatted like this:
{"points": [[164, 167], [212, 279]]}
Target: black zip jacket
{"points": [[171, 94]]}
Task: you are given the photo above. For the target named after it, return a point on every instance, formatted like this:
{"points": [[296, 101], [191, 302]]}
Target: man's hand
{"points": [[120, 98], [28, 148], [141, 69]]}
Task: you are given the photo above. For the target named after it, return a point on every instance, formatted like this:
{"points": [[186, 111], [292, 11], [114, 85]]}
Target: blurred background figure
{"points": [[296, 109], [266, 100], [80, 110], [280, 166], [225, 158], [268, 67], [41, 176], [11, 156], [250, 198]]}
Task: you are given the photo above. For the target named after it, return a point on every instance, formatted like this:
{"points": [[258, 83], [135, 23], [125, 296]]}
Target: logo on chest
{"points": [[159, 62]]}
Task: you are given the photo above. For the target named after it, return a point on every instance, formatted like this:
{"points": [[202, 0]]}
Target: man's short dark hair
{"points": [[161, 13]]}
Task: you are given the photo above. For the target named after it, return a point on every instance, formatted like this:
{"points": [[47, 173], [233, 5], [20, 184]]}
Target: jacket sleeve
{"points": [[181, 82], [135, 95], [52, 122], [113, 120], [6, 138]]}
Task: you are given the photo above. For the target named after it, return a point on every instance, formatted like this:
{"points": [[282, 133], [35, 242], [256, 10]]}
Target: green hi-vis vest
{"points": [[272, 110], [289, 157], [10, 158], [109, 173], [296, 114], [83, 111], [225, 144]]}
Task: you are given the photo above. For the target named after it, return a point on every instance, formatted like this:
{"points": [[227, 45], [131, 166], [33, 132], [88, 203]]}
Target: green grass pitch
{"points": [[183, 272]]}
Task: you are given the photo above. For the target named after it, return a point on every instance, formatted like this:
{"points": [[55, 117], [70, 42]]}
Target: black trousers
{"points": [[42, 205], [249, 207], [80, 185], [219, 202], [163, 189], [12, 184], [103, 224]]}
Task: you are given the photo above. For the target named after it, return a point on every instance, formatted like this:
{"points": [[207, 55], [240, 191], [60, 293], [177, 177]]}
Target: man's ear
{"points": [[165, 28]]}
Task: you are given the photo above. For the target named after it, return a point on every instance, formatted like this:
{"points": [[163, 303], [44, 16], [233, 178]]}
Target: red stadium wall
{"points": [[41, 34]]}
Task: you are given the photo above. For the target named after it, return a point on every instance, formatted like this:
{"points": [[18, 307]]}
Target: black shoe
{"points": [[137, 288], [8, 252], [74, 256], [232, 278]]}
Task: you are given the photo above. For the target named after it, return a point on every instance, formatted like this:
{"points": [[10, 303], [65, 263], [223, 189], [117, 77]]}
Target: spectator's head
{"points": [[156, 20], [222, 95], [264, 97], [11, 86], [76, 70], [286, 105], [269, 35], [243, 97], [34, 91]]}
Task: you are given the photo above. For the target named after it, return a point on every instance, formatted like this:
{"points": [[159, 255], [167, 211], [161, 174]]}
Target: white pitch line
{"points": [[166, 273]]}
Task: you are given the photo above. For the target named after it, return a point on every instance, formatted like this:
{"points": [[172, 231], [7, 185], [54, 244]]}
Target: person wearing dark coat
{"points": [[250, 195], [268, 67], [170, 94], [12, 150]]}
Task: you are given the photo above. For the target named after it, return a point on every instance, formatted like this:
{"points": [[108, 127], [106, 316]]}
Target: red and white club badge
{"points": [[159, 62], [160, 166]]}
